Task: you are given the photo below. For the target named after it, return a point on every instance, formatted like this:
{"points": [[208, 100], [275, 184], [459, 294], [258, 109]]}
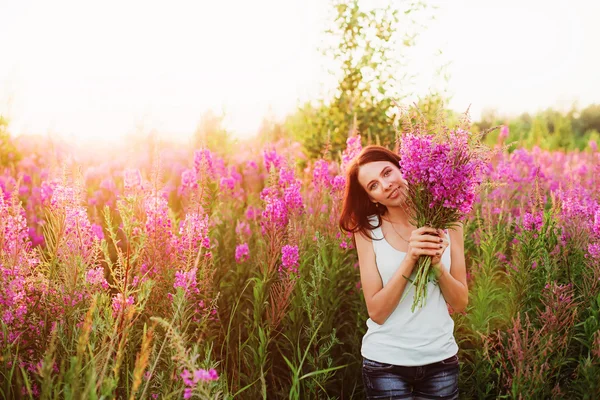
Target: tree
{"points": [[365, 42], [9, 155], [211, 134], [590, 118]]}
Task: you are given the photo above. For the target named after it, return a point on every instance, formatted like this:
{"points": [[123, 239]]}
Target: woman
{"points": [[405, 354]]}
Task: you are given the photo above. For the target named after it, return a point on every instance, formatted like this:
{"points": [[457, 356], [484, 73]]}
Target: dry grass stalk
{"points": [[141, 362]]}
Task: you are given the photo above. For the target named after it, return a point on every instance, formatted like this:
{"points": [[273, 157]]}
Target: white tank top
{"points": [[406, 338]]}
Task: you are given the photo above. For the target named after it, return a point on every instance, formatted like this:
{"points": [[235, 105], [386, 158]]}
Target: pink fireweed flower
{"points": [[445, 170], [596, 223], [36, 239], [321, 175], [158, 222], [338, 184], [534, 265], [189, 179], [286, 176], [533, 222], [203, 162], [161, 241], [271, 159], [282, 201], [503, 132], [516, 175], [242, 229], [252, 213], [577, 203], [108, 184], [187, 281], [346, 242], [594, 250], [12, 295], [13, 231], [26, 179], [63, 196], [235, 175], [443, 174], [353, 148], [275, 209], [593, 146], [242, 252], [120, 304], [95, 276], [204, 375], [78, 238], [132, 180], [191, 379], [275, 213], [193, 233], [227, 183], [98, 232], [289, 258], [252, 165], [220, 169], [293, 197]]}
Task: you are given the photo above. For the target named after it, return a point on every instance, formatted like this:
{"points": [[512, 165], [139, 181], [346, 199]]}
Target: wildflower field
{"points": [[196, 273]]}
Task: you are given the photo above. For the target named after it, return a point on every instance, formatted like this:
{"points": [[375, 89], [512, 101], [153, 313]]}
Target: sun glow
{"points": [[104, 70]]}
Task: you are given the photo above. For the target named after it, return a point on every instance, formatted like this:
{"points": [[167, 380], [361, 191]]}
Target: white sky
{"points": [[100, 70]]}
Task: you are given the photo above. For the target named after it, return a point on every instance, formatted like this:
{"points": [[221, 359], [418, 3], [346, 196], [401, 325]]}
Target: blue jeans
{"points": [[432, 381]]}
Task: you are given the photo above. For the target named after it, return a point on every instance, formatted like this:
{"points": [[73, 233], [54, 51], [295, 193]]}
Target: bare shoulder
{"points": [[364, 244], [359, 236]]}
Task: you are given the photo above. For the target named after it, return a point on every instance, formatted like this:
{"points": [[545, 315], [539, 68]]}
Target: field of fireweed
{"points": [[196, 274]]}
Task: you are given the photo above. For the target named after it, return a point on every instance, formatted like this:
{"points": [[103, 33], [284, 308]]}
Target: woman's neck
{"points": [[397, 215]]}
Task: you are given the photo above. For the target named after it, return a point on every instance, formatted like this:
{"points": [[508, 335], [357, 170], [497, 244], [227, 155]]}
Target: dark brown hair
{"points": [[357, 206]]}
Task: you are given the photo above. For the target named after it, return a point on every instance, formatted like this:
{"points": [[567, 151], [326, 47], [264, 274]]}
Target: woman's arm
{"points": [[454, 284], [381, 301]]}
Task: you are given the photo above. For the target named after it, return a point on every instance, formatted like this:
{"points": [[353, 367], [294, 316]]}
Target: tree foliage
{"points": [[8, 152], [548, 129], [364, 49]]}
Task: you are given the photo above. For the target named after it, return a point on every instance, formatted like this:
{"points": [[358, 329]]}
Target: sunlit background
{"points": [[106, 69]]}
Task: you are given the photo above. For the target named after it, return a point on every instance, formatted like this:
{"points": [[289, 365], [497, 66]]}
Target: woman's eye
{"points": [[386, 173], [373, 186]]}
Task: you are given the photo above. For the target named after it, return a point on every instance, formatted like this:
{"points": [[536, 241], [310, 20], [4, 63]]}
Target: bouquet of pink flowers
{"points": [[443, 171]]}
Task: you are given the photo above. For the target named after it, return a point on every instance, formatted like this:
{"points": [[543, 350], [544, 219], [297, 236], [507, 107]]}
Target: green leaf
{"points": [[323, 371]]}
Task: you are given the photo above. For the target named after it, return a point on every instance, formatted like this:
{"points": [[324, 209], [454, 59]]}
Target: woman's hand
{"points": [[436, 260], [425, 241]]}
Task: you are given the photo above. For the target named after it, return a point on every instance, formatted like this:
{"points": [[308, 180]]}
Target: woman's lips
{"points": [[394, 194]]}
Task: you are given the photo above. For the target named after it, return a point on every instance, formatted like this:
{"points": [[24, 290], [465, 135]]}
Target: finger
{"points": [[428, 245], [427, 238], [445, 242], [429, 252], [426, 229]]}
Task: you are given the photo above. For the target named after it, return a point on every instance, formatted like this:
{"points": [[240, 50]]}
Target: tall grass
{"points": [[226, 277]]}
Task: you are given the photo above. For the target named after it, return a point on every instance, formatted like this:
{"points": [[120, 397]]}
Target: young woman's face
{"points": [[383, 182]]}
